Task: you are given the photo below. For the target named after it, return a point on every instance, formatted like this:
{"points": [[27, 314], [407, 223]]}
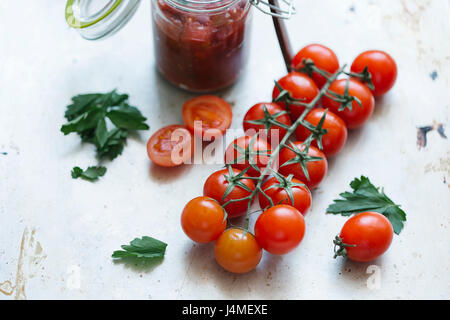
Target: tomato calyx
{"points": [[234, 180], [317, 132], [345, 100], [286, 97], [340, 247], [301, 157], [285, 183], [365, 77], [309, 67], [269, 120], [249, 154]]}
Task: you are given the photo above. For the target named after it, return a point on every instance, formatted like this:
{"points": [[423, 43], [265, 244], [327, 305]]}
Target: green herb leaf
{"points": [[367, 197], [90, 174], [146, 247], [127, 118], [87, 115]]}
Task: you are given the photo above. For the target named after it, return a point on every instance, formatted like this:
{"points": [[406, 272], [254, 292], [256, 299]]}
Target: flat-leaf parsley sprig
{"points": [[144, 248], [87, 116], [367, 197]]}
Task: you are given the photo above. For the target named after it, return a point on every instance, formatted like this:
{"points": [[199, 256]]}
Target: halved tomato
{"points": [[170, 146], [213, 113]]}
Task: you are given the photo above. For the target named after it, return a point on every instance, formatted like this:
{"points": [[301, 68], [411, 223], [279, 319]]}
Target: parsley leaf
{"points": [[90, 174], [146, 247], [367, 197], [87, 116]]}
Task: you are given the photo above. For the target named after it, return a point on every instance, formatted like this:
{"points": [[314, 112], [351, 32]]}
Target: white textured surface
{"points": [[79, 224]]}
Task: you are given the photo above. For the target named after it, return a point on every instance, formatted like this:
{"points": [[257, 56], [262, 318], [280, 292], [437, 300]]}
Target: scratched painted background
{"points": [[57, 234]]}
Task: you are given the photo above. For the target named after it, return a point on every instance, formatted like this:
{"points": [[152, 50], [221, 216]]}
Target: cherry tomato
{"points": [[260, 160], [382, 68], [324, 58], [316, 169], [257, 113], [334, 140], [170, 146], [369, 234], [357, 116], [203, 220], [214, 113], [216, 185], [237, 252], [301, 195], [280, 229], [301, 87]]}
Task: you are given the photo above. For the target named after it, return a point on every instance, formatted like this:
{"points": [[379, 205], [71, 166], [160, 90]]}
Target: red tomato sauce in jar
{"points": [[201, 45]]}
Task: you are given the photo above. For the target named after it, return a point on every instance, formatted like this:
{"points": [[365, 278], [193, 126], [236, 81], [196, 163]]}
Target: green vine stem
{"points": [[282, 144]]}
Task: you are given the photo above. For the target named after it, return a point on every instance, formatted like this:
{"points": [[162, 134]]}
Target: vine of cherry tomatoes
{"points": [[284, 194]]}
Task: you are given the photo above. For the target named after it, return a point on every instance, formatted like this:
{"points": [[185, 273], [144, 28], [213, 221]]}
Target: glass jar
{"points": [[201, 45]]}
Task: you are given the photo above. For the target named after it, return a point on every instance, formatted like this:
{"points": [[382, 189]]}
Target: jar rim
{"points": [[198, 6]]}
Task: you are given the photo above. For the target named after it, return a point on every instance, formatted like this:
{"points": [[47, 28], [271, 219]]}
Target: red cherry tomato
{"points": [[214, 113], [382, 68], [358, 115], [316, 169], [256, 113], [216, 185], [280, 229], [170, 146], [323, 57], [203, 220], [334, 140], [237, 251], [260, 160], [279, 195], [369, 234], [301, 87]]}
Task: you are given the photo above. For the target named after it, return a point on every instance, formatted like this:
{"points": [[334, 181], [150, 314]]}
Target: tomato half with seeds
{"points": [[323, 57], [203, 220], [334, 140], [237, 251], [214, 114], [366, 236], [259, 155], [217, 184], [381, 66], [267, 120], [171, 146], [359, 114], [277, 192], [316, 169], [300, 87], [280, 229]]}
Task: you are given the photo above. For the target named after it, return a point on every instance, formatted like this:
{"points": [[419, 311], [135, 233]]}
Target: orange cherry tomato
{"points": [[316, 169], [237, 252], [334, 140], [260, 160], [381, 66], [170, 146], [216, 185], [280, 229], [369, 234], [203, 220], [301, 195], [323, 57], [214, 113], [358, 115], [300, 87]]}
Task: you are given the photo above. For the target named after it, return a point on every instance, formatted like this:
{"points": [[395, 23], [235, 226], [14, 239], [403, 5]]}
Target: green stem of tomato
{"points": [[290, 131]]}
